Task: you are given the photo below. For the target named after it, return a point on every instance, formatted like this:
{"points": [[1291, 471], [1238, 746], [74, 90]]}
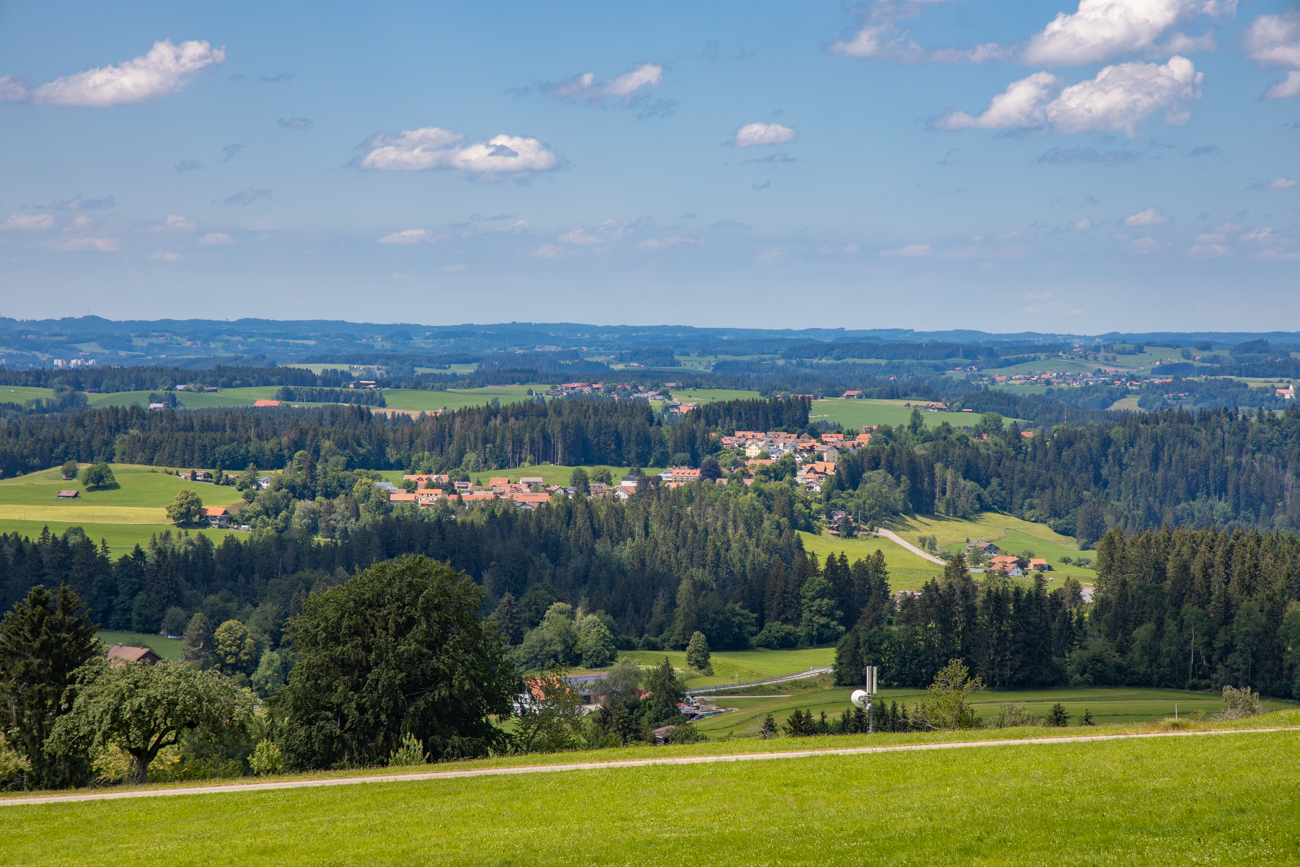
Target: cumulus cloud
{"points": [[1082, 225], [28, 223], [628, 88], [763, 134], [410, 236], [1208, 251], [1121, 97], [90, 245], [911, 251], [1144, 245], [216, 239], [1273, 41], [1279, 184], [1104, 30], [176, 223], [552, 251], [164, 70], [295, 123], [1276, 254], [1099, 31], [436, 148], [246, 197], [165, 257], [1149, 217]]}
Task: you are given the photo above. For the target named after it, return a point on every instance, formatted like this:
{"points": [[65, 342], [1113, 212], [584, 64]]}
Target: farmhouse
{"points": [[271, 403], [68, 495], [124, 653], [215, 516]]}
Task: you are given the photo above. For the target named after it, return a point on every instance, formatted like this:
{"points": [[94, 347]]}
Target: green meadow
{"points": [[1012, 535], [907, 571], [855, 414], [413, 400], [732, 666], [167, 648], [22, 394], [124, 516], [1206, 799]]}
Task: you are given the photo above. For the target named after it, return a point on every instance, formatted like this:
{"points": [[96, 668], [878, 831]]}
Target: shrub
{"points": [[1239, 703], [409, 754], [266, 758], [1012, 716], [777, 636]]}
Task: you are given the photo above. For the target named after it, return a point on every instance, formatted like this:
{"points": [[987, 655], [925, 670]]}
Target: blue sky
{"points": [[1049, 166]]}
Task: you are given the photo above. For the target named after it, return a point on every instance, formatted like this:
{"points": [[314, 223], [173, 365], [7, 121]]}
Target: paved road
{"points": [[597, 766], [894, 537], [784, 678]]}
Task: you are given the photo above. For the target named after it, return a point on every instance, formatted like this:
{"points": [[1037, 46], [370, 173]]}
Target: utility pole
{"points": [[862, 697]]}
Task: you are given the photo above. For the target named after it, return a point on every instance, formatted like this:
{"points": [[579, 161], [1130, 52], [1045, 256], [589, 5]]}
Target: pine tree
{"points": [[768, 730], [507, 620], [1086, 719], [1057, 716]]}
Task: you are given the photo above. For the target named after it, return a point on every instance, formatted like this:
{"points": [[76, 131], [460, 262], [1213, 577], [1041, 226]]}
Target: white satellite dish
{"points": [[859, 698]]}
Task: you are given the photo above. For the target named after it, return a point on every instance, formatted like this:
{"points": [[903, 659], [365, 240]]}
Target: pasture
{"points": [[124, 516], [737, 666], [854, 414], [1011, 534], [907, 571], [1207, 799], [22, 394], [167, 648]]}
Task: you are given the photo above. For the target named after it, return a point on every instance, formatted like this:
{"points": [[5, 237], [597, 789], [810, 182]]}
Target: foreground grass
{"points": [[1213, 799]]}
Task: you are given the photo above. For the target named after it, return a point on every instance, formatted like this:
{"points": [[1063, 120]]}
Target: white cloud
{"points": [[669, 242], [216, 239], [1121, 97], [610, 230], [1149, 217], [1279, 184], [81, 221], [1276, 254], [93, 245], [881, 42], [912, 251], [12, 89], [28, 222], [828, 250], [1208, 251], [177, 223], [1255, 236], [411, 236], [1211, 238], [452, 269], [164, 70], [627, 88], [1104, 30], [1082, 225], [1144, 245], [1273, 41], [165, 257], [580, 237], [551, 251], [772, 256], [436, 148], [763, 134]]}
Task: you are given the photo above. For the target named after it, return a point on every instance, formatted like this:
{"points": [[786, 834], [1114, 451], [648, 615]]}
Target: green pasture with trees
{"points": [[1154, 801]]}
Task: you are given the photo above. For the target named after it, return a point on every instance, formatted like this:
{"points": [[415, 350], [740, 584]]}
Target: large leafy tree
{"points": [[665, 692], [399, 649], [142, 708], [43, 641]]}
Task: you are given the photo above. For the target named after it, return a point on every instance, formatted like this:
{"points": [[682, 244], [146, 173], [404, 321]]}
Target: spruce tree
{"points": [[507, 620]]}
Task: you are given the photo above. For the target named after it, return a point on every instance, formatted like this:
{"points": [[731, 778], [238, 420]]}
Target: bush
{"points": [[697, 654], [1012, 716], [777, 636], [409, 754], [685, 733], [1239, 703], [649, 642], [69, 470], [266, 758]]}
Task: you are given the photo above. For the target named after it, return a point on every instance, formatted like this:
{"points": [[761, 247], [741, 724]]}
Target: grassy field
{"points": [[123, 517], [1009, 533], [22, 394], [854, 414], [709, 395], [1107, 705], [740, 665], [907, 571], [412, 400], [167, 648], [1219, 799]]}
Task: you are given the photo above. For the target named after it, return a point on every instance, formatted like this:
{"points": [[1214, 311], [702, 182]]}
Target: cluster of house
{"points": [[75, 362], [626, 392], [1287, 393], [588, 688], [528, 493]]}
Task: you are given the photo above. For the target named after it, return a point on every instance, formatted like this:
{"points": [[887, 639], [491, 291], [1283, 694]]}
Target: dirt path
{"points": [[598, 766]]}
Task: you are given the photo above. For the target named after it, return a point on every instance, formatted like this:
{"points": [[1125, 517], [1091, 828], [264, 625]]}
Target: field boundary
{"points": [[611, 765]]}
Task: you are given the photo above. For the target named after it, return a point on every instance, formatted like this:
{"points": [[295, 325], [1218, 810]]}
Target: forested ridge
{"points": [[1191, 609]]}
